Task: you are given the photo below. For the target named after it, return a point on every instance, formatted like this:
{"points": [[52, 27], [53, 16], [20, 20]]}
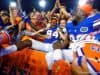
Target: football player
{"points": [[86, 20]]}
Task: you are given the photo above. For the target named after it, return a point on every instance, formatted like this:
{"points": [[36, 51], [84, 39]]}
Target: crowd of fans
{"points": [[56, 29]]}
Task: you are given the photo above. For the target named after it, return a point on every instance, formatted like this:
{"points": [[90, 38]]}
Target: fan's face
{"points": [[62, 23], [5, 19], [15, 12], [53, 22]]}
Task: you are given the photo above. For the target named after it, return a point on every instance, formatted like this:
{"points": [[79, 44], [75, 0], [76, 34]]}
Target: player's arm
{"points": [[42, 32], [38, 32]]}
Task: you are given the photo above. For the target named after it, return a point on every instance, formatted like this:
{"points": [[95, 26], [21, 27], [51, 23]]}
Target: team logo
{"points": [[84, 29]]}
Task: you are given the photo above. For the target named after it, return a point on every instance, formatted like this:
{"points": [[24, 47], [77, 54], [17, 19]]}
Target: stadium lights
{"points": [[13, 4], [82, 2], [42, 3]]}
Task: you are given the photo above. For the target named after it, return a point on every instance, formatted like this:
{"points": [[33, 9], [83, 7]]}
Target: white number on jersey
{"points": [[50, 33]]}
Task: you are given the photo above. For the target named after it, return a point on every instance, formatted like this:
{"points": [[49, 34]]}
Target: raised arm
{"points": [[63, 12]]}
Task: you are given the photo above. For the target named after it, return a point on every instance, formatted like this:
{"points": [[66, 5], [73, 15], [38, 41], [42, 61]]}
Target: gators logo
{"points": [[84, 29]]}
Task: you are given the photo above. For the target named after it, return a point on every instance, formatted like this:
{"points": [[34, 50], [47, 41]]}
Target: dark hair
{"points": [[5, 14], [53, 18], [63, 19]]}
